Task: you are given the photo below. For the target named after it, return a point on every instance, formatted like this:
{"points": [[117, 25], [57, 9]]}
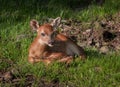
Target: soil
{"points": [[8, 77], [99, 33]]}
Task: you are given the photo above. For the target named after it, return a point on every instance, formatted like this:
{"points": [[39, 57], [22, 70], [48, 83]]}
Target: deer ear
{"points": [[56, 22], [34, 24]]}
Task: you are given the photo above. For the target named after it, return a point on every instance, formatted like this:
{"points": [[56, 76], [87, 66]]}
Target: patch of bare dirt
{"points": [[102, 34], [8, 77]]}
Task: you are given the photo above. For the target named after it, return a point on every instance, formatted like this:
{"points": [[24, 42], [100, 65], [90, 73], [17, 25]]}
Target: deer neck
{"points": [[41, 46]]}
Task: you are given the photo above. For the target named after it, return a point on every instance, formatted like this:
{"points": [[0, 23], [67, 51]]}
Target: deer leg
{"points": [[67, 60], [34, 60]]}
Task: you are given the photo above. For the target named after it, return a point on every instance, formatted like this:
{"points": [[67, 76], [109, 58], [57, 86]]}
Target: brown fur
{"points": [[42, 49]]}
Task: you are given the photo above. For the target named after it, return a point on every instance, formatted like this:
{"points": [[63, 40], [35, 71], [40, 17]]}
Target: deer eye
{"points": [[42, 34]]}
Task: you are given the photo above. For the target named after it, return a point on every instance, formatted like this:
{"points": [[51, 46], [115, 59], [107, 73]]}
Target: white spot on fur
{"points": [[41, 42]]}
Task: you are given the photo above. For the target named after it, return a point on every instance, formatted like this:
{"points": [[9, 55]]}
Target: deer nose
{"points": [[51, 42]]}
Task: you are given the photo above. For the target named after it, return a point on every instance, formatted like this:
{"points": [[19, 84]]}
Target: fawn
{"points": [[50, 45]]}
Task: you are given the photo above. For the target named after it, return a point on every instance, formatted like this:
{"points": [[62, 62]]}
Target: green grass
{"points": [[15, 37]]}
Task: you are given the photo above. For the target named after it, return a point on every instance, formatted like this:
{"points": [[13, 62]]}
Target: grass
{"points": [[15, 37]]}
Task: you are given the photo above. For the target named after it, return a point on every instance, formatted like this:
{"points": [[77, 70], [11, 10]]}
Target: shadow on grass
{"points": [[20, 9], [93, 54], [34, 4]]}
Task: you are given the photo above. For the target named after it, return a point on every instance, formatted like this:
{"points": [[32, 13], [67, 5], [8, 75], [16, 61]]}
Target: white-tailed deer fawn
{"points": [[49, 45]]}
